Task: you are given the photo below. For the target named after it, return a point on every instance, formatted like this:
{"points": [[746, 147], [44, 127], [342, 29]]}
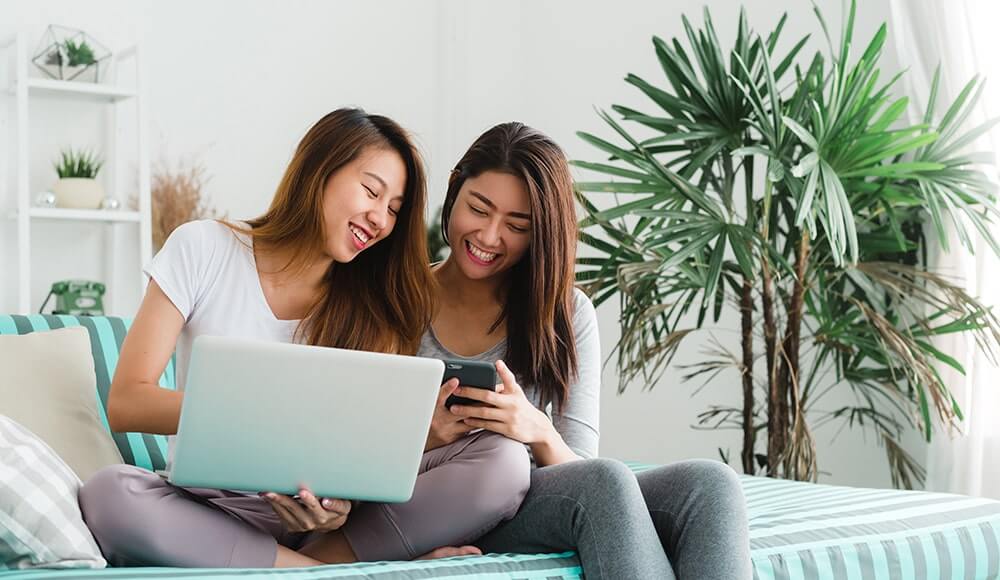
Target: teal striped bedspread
{"points": [[797, 530], [809, 531]]}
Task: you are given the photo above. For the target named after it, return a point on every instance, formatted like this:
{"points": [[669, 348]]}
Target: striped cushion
{"points": [[811, 532], [490, 567], [40, 521], [807, 531], [106, 337], [798, 531]]}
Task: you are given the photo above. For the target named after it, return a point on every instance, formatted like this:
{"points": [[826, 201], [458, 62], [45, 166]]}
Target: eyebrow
{"points": [[486, 200], [381, 181]]}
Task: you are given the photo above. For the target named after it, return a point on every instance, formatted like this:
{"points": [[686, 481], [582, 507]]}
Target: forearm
{"points": [[144, 408], [552, 450]]}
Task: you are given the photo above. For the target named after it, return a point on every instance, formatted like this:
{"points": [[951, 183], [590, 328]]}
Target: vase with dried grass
{"points": [[177, 198]]}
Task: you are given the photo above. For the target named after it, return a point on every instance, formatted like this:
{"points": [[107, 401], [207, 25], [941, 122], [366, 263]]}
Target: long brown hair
{"points": [[541, 347], [382, 299]]}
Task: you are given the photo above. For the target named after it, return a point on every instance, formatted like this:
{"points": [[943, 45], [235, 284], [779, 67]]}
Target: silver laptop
{"points": [[270, 416]]}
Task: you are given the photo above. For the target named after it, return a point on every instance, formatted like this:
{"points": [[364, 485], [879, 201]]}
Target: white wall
{"points": [[238, 84]]}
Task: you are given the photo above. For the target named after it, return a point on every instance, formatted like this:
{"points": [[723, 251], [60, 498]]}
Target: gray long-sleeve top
{"points": [[578, 420]]}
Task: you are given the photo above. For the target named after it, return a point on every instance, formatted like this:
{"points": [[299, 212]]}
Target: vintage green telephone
{"points": [[77, 298]]}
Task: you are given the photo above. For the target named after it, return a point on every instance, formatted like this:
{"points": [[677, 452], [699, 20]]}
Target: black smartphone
{"points": [[478, 374]]}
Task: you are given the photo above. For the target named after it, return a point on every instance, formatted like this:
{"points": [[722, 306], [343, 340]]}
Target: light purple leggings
{"points": [[463, 490]]}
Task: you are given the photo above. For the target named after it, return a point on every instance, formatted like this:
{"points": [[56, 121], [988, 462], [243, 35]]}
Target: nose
{"points": [[490, 235], [377, 218]]}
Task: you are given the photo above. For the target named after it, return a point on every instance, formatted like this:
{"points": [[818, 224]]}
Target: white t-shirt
{"points": [[209, 273]]}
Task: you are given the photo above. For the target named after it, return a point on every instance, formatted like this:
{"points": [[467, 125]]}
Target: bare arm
{"points": [[136, 401], [552, 450]]}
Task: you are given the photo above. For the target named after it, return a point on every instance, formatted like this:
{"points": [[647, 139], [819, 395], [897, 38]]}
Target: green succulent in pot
{"points": [[77, 187], [79, 53]]}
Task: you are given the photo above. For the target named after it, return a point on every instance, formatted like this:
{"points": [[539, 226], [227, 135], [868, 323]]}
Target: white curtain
{"points": [[961, 36]]}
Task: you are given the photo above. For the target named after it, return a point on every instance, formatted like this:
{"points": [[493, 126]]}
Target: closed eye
{"points": [[374, 195], [518, 229], [476, 210]]}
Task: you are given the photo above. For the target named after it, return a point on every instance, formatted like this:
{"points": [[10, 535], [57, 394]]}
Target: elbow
{"points": [[116, 411]]}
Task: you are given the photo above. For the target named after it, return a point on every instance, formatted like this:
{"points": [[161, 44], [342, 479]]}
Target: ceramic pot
{"points": [[78, 193]]}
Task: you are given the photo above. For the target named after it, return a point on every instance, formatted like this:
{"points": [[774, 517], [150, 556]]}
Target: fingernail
{"points": [[327, 503]]}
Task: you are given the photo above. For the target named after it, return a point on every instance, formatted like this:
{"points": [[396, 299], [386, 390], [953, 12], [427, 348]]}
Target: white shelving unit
{"points": [[24, 90]]}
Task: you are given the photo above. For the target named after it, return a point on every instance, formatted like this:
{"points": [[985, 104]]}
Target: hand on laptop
{"points": [[309, 513], [446, 427]]}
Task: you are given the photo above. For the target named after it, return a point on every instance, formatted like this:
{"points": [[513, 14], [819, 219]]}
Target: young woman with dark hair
{"points": [[506, 292], [339, 259]]}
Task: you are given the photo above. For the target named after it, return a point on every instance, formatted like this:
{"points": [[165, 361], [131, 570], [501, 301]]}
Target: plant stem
{"points": [[728, 176], [746, 311], [778, 423], [767, 302]]}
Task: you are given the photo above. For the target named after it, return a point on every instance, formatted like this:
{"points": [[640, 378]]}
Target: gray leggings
{"points": [[464, 489], [691, 514]]}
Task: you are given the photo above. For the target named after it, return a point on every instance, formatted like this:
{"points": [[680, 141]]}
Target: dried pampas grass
{"points": [[177, 198]]}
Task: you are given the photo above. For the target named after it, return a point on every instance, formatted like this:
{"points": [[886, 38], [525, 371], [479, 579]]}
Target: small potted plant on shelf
{"points": [[70, 54], [79, 53], [77, 186]]}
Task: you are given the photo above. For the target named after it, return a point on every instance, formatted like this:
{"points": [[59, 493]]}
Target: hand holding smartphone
{"points": [[477, 374]]}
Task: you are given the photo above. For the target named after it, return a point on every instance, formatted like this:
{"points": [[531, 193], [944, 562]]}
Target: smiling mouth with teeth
{"points": [[359, 234], [479, 254]]}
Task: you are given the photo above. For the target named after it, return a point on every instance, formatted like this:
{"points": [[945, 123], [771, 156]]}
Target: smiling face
{"points": [[361, 201], [490, 224]]}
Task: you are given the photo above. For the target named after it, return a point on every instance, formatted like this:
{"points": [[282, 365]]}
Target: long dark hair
{"points": [[382, 299], [541, 347]]}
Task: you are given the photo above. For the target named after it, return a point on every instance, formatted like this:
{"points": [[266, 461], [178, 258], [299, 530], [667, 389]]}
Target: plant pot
{"points": [[78, 193]]}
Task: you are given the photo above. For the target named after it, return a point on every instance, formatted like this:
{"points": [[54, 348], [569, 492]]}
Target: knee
{"points": [[506, 474], [711, 484], [109, 504], [712, 477], [607, 474], [597, 486], [103, 495]]}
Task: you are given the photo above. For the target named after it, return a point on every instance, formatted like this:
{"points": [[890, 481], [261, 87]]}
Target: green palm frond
{"points": [[826, 245]]}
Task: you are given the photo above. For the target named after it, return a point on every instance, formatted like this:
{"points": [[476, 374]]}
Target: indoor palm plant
{"points": [[794, 189]]}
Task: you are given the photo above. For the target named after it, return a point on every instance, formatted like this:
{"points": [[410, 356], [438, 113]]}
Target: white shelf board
{"points": [[93, 215], [79, 90]]}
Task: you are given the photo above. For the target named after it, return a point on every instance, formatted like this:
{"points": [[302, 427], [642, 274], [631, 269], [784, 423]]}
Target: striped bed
{"points": [[809, 531], [797, 530]]}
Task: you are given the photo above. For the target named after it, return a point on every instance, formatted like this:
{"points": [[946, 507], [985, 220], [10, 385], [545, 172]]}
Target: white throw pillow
{"points": [[40, 521], [49, 388]]}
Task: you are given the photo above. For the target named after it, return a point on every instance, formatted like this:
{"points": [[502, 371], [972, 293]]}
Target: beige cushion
{"points": [[49, 387]]}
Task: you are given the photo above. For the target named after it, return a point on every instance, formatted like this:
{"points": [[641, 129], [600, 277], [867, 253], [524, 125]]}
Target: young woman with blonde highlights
{"points": [[339, 259]]}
